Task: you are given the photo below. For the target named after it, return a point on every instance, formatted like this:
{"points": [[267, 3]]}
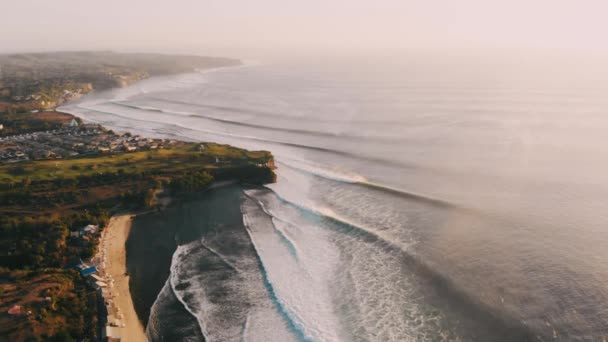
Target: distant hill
{"points": [[45, 80]]}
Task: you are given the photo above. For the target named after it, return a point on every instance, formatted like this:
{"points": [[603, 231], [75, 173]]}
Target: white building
{"points": [[89, 229]]}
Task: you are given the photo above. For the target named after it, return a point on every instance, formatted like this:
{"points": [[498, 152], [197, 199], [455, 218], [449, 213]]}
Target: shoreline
{"points": [[151, 248], [114, 282], [112, 257], [65, 107]]}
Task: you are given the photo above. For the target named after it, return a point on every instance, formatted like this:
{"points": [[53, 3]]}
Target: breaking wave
{"points": [[258, 126]]}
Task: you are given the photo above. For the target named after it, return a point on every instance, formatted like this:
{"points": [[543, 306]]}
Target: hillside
{"points": [[45, 80]]}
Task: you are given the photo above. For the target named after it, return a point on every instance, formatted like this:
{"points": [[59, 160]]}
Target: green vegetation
{"points": [[191, 181], [183, 158], [43, 202], [32, 122], [49, 298]]}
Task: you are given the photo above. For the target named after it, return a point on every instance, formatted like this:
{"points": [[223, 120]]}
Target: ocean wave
{"points": [[169, 320], [327, 174], [313, 169], [291, 245], [233, 109], [173, 279], [294, 324], [441, 285], [349, 136], [337, 152], [256, 138], [341, 222], [220, 256], [128, 105], [216, 277], [361, 181]]}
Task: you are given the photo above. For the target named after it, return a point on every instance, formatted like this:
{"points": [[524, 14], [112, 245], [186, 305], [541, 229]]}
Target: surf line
{"points": [[293, 323]]}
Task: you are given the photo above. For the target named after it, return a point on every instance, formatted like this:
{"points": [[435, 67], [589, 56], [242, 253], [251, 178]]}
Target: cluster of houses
{"points": [[12, 155], [72, 140], [57, 97], [131, 143], [31, 97]]}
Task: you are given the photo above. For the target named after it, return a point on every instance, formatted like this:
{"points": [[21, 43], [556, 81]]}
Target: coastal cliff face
{"points": [[155, 281], [251, 174]]}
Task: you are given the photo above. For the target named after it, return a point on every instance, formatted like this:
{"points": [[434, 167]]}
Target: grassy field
{"points": [[180, 158], [19, 123]]}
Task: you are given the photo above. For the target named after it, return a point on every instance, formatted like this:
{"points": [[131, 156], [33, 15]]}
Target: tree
{"points": [[62, 336]]}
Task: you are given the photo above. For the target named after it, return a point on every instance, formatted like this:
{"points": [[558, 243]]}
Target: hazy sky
{"points": [[255, 26]]}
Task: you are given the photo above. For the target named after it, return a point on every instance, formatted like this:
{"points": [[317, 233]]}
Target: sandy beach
{"points": [[113, 246]]}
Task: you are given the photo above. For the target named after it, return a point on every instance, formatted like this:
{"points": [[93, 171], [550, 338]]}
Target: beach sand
{"points": [[114, 241]]}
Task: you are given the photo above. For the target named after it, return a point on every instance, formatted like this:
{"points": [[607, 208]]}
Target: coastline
{"points": [[115, 282], [101, 93], [170, 308], [154, 237], [113, 264]]}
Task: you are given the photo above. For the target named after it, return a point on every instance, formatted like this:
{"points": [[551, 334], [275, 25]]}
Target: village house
{"points": [[72, 124], [110, 334], [89, 229]]}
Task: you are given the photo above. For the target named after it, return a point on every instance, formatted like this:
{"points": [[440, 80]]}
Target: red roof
{"points": [[15, 310]]}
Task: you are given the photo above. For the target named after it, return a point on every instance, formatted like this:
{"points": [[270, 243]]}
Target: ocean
{"points": [[414, 202]]}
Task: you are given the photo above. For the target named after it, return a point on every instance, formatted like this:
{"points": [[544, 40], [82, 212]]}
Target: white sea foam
{"points": [[318, 170], [177, 265], [301, 285]]}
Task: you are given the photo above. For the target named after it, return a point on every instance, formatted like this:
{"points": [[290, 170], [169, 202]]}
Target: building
{"points": [[71, 124], [88, 271], [110, 333], [89, 229], [99, 285]]}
